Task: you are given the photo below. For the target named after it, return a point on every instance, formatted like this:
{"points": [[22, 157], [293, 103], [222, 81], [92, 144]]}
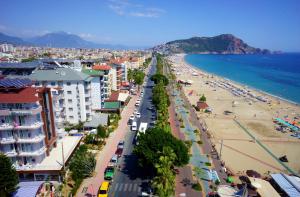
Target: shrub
{"points": [[207, 163], [197, 186]]}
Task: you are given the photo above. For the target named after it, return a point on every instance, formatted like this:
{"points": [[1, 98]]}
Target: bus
{"points": [[143, 127]]}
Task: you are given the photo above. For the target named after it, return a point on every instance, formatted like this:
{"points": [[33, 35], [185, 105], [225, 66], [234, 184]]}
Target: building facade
{"points": [[27, 131]]}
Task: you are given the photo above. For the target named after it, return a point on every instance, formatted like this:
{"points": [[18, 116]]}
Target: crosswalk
{"points": [[127, 187]]}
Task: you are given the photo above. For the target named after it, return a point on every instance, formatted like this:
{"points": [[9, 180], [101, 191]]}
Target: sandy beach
{"points": [[250, 114]]}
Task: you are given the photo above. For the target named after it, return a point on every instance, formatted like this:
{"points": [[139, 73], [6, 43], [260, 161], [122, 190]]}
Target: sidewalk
{"points": [[184, 179], [108, 151]]}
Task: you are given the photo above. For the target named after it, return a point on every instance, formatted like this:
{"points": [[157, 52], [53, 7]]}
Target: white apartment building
{"points": [[27, 132], [71, 92], [6, 48]]}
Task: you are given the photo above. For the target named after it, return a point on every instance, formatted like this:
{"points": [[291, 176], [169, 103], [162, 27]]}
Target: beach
{"points": [[242, 120]]}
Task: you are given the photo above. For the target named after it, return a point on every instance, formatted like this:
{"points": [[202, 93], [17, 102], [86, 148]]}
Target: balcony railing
{"points": [[35, 139], [6, 126], [11, 153], [8, 140], [33, 153], [21, 111], [33, 125]]}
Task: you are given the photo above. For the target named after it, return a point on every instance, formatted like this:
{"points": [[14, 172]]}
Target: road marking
{"points": [[129, 188], [121, 185], [116, 187], [125, 187], [134, 187]]}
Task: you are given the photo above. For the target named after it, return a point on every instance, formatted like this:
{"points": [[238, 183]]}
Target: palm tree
{"points": [[164, 182]]}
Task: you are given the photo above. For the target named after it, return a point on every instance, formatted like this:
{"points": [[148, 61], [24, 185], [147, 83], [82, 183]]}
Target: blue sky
{"points": [[272, 24]]}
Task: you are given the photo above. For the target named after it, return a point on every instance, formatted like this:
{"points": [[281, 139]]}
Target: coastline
{"points": [[275, 97], [248, 116]]}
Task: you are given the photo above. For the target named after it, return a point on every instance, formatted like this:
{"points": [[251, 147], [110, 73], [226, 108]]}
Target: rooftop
{"points": [[112, 105], [28, 65], [264, 188], [289, 184], [93, 72], [97, 119], [24, 95], [58, 74], [54, 161], [101, 67]]}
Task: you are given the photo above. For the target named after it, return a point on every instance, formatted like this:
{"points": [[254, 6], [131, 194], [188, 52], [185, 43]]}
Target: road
{"points": [[130, 179]]}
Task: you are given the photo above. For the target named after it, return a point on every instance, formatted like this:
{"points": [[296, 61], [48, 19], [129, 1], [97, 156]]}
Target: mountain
{"points": [[66, 40], [12, 40], [221, 44], [59, 40]]}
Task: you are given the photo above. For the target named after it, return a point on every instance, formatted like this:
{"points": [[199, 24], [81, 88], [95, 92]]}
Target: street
{"points": [[130, 180]]}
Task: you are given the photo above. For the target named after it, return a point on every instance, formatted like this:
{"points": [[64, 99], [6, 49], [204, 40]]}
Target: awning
{"points": [[289, 184], [123, 97], [28, 188]]}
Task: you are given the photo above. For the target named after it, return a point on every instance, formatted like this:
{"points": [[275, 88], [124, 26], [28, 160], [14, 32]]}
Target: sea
{"points": [[275, 74]]}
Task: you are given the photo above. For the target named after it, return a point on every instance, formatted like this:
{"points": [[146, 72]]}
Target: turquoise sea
{"points": [[276, 74]]}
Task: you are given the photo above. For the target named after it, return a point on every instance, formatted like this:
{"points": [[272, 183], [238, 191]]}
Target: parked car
{"points": [[109, 173], [114, 160], [138, 115], [119, 152], [121, 144], [104, 188]]}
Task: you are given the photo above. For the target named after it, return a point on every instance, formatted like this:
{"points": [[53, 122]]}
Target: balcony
{"points": [[35, 139], [6, 126], [4, 112], [33, 125], [33, 153], [29, 111], [8, 140], [11, 153]]}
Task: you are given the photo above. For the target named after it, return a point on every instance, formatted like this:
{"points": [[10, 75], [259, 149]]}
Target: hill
{"points": [[222, 44], [12, 40]]}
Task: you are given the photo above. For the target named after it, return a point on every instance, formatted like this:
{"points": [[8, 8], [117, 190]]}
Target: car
{"points": [[114, 159], [150, 108], [137, 104], [138, 115], [121, 144], [153, 122], [119, 152], [109, 172], [104, 189]]}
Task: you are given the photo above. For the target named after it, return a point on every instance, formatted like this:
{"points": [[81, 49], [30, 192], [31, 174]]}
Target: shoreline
{"points": [[275, 97], [255, 110]]}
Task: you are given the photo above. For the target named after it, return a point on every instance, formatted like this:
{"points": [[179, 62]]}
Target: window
{"points": [[70, 109], [68, 83], [37, 84], [69, 92], [70, 101], [71, 117], [53, 83], [87, 107]]}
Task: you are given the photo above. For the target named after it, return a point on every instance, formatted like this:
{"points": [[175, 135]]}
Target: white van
{"points": [[134, 126]]}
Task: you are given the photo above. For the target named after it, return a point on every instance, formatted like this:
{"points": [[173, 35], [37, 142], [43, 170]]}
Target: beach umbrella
{"points": [[230, 179], [253, 173]]}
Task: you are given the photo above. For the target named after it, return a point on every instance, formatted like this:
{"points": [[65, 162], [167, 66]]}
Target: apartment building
{"points": [[99, 92], [27, 131], [109, 79], [71, 91]]}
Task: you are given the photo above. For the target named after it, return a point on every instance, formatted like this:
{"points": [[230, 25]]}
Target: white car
{"points": [[138, 115]]}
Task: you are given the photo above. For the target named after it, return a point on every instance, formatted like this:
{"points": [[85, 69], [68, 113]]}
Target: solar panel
{"points": [[15, 83]]}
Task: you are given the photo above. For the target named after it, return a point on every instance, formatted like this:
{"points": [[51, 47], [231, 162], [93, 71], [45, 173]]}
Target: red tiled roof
{"points": [[202, 105], [113, 97], [101, 67], [26, 95]]}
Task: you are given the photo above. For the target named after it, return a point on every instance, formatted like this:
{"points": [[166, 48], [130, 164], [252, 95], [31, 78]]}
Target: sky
{"points": [[271, 24]]}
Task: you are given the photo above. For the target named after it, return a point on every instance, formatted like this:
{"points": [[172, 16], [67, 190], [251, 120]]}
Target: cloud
{"points": [[149, 13], [124, 7]]}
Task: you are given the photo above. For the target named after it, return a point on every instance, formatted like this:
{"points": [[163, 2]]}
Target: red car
{"points": [[119, 152]]}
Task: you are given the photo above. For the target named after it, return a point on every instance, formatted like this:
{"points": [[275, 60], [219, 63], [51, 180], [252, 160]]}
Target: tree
{"points": [[130, 75], [164, 181], [157, 78], [202, 98], [101, 132], [153, 142], [8, 176], [108, 120], [89, 139]]}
